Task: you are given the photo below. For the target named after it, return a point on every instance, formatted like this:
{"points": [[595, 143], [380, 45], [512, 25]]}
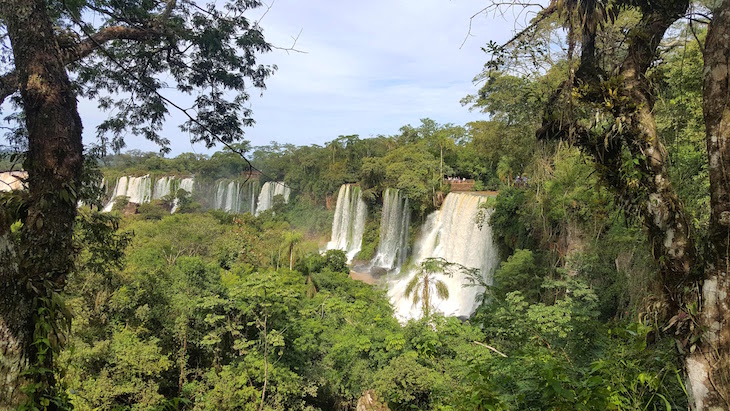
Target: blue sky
{"points": [[369, 68]]}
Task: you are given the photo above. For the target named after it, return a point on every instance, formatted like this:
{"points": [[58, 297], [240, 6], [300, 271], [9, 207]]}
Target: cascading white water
{"points": [[120, 189], [232, 192], [452, 234], [269, 190], [348, 225], [235, 197], [220, 194], [394, 223], [163, 187], [140, 190], [185, 184]]}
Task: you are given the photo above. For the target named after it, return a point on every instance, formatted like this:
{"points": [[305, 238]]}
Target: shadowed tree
{"points": [[605, 105], [207, 51]]}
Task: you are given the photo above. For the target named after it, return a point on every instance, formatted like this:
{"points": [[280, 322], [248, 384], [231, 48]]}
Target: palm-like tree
{"points": [[425, 282], [290, 239]]}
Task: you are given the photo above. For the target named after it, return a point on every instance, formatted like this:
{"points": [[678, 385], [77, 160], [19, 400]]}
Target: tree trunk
{"points": [[54, 160], [651, 195], [658, 203], [426, 298], [183, 355], [708, 367], [441, 167]]}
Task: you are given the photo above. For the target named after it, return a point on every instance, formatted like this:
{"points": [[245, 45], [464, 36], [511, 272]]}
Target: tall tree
{"points": [[709, 366], [290, 239], [206, 51], [604, 105]]}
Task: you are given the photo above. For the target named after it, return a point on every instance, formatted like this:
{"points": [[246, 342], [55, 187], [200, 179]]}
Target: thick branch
{"points": [[92, 43], [645, 38], [652, 195], [9, 82]]}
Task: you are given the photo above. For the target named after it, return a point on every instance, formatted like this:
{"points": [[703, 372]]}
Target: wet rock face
{"points": [[370, 402]]}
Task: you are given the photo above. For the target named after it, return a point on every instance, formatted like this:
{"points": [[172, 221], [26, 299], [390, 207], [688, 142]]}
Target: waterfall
{"points": [[142, 189], [120, 189], [452, 234], [163, 187], [232, 191], [220, 194], [348, 225], [235, 197], [269, 190], [185, 184], [138, 189], [393, 245]]}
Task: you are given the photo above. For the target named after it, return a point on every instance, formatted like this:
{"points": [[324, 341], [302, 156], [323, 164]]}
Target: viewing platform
{"points": [[460, 184]]}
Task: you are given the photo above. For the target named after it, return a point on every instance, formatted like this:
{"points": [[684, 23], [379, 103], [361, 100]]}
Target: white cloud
{"points": [[370, 67]]}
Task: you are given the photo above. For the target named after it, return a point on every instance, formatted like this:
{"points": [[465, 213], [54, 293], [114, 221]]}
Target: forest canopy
{"points": [[600, 165]]}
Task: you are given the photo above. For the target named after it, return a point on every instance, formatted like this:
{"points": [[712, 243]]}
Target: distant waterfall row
{"points": [[450, 233], [270, 190], [229, 195], [143, 189], [235, 197]]}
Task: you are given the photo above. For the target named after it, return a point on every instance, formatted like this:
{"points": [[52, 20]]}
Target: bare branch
{"points": [[268, 8], [94, 41], [495, 6], [293, 46], [490, 347]]}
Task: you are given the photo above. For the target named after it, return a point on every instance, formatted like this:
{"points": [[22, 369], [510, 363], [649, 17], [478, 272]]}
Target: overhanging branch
{"points": [[9, 82]]}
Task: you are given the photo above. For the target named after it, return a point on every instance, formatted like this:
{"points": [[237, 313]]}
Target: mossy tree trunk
{"points": [[708, 366], [44, 254]]}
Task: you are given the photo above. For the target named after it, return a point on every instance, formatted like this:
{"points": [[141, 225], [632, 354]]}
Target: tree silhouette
{"points": [[425, 282]]}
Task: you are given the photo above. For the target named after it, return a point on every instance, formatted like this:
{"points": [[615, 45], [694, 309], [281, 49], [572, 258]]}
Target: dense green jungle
{"points": [[202, 310], [225, 305]]}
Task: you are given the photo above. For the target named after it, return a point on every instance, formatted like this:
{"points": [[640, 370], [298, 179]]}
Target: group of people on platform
{"points": [[522, 181], [456, 179]]}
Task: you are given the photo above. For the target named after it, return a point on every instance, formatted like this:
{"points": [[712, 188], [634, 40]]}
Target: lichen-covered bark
{"points": [[708, 366], [663, 213], [44, 252], [650, 195]]}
